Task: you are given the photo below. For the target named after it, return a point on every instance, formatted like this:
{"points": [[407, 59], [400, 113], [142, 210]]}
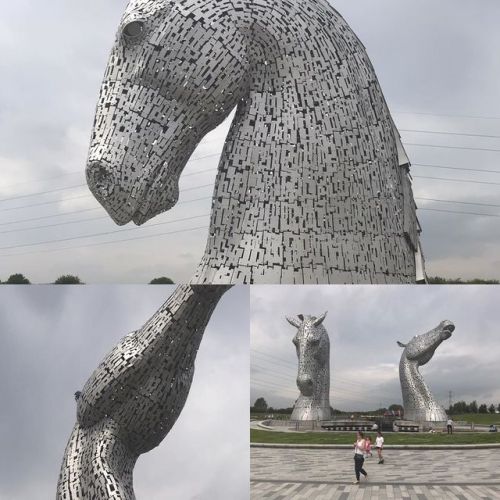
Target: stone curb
{"points": [[387, 447]]}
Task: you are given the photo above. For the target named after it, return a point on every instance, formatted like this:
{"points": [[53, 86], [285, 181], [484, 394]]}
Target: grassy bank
{"points": [[261, 436], [478, 418]]}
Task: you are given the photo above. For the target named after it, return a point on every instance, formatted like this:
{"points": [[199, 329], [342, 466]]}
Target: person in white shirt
{"points": [[449, 426], [359, 456], [379, 444]]}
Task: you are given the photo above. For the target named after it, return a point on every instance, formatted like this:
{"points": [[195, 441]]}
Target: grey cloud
{"points": [[431, 56], [364, 323], [52, 339]]}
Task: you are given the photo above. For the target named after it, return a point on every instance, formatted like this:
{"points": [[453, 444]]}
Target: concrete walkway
{"points": [[281, 473]]}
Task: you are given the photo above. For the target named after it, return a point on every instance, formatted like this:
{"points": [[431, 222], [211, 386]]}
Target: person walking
{"points": [[359, 459], [368, 452], [379, 444], [449, 426]]}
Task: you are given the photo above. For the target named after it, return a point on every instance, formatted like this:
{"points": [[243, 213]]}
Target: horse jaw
{"points": [[157, 102], [421, 348]]}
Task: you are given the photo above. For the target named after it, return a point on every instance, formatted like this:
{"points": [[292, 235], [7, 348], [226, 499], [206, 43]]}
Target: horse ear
{"points": [[319, 320], [293, 322], [400, 344]]}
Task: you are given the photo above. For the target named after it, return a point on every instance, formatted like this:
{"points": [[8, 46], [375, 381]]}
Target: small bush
{"points": [[163, 280], [68, 279], [17, 279]]}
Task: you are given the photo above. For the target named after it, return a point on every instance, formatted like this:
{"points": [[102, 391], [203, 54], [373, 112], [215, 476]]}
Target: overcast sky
{"points": [[52, 340], [431, 57], [364, 323]]}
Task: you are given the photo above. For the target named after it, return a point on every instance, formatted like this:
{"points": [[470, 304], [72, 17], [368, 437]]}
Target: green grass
{"points": [[262, 436], [478, 418]]}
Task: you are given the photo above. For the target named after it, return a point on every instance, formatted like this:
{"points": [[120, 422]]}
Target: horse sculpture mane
{"points": [[313, 183], [313, 379], [419, 403]]}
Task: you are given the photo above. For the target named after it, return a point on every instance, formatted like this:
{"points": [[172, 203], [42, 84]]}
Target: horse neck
{"points": [[322, 392], [189, 307], [175, 331], [321, 384], [411, 378], [310, 164]]}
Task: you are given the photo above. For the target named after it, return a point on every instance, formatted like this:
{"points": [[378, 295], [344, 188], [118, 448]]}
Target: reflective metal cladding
{"points": [[419, 403], [313, 183], [132, 400], [313, 379]]}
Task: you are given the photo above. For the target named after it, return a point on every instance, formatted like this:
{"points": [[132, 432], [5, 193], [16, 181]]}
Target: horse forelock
{"points": [[146, 7]]}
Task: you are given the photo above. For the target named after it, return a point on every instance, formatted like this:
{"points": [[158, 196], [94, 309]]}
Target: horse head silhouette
{"points": [[418, 401], [313, 378], [171, 78], [312, 184]]}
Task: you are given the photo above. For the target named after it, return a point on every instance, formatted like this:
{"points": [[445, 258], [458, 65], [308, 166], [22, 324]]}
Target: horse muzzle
{"points": [[120, 201], [305, 385]]}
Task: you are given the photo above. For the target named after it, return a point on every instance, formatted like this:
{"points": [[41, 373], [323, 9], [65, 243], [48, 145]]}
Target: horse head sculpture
{"points": [[163, 90], [313, 379], [418, 401], [313, 183]]}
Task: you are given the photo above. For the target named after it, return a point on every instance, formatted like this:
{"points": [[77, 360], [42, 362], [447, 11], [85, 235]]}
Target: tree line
{"points": [[459, 408], [462, 407], [261, 406], [70, 279], [437, 280]]}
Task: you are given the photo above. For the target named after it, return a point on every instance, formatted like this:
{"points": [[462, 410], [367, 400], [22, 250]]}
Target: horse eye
{"points": [[133, 30]]}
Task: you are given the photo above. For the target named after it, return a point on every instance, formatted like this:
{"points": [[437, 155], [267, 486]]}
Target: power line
{"points": [[85, 196], [281, 360], [456, 180], [285, 389], [450, 147], [156, 235], [338, 386], [459, 202], [105, 233], [286, 392], [42, 179], [86, 210], [450, 133], [447, 115], [456, 168], [40, 193], [205, 198], [32, 228], [46, 203], [209, 185], [456, 212], [293, 367], [50, 216]]}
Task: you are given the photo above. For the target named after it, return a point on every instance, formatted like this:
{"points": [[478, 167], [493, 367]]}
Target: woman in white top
{"points": [[379, 444], [359, 452]]}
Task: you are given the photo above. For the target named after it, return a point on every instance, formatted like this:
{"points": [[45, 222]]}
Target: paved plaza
{"points": [[279, 474]]}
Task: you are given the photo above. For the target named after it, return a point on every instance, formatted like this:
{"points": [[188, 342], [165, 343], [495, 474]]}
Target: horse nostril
{"points": [[100, 178], [302, 381]]}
